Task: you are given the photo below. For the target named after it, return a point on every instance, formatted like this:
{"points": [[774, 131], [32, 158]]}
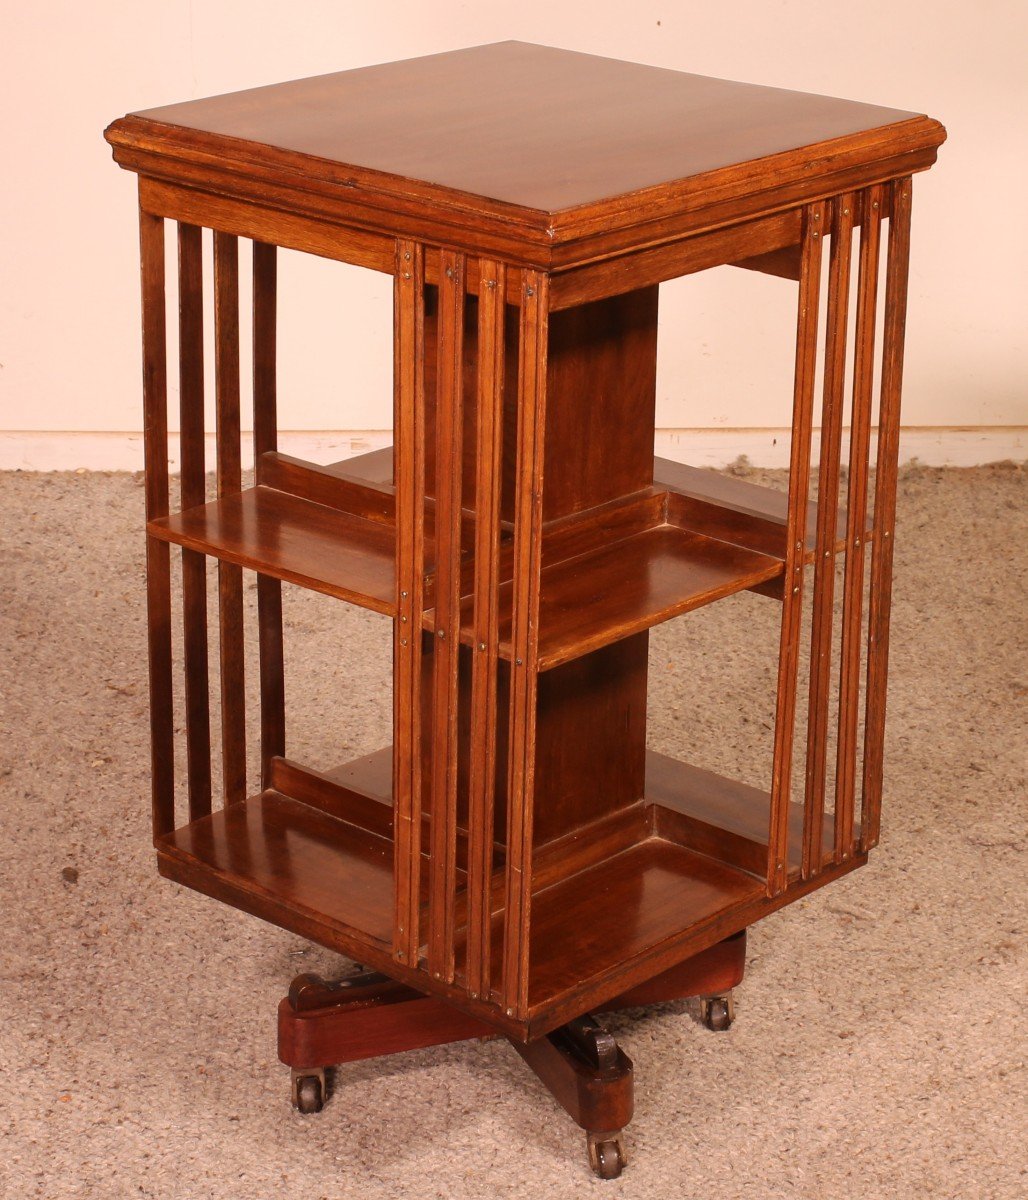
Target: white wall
{"points": [[68, 275]]}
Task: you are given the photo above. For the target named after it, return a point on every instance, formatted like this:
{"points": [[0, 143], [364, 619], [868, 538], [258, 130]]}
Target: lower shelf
{"points": [[689, 867], [289, 863], [624, 907]]}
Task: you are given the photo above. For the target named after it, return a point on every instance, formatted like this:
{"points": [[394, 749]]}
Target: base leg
{"points": [[591, 1078]]}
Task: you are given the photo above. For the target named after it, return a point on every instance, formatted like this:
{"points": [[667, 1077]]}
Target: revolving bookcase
{"points": [[517, 859]]}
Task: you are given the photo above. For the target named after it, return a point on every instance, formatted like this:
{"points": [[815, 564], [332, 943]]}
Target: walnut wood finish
{"points": [[516, 855], [659, 155]]}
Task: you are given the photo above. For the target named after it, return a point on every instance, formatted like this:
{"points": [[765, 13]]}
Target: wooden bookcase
{"points": [[518, 857]]}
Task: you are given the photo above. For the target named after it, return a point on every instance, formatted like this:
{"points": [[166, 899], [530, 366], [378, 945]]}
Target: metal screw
{"points": [[404, 595], [406, 256], [406, 274], [481, 645], [887, 533], [845, 212], [521, 662], [856, 541], [795, 591], [875, 204], [510, 1012], [490, 283], [529, 291], [440, 633], [400, 954], [403, 641], [449, 272], [403, 620], [816, 234]]}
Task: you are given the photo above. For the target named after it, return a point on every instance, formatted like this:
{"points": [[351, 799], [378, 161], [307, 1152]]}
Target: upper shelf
{"points": [[629, 585], [293, 539]]}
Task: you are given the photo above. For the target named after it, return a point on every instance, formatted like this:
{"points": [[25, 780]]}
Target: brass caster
{"points": [[717, 1012], [607, 1155], [308, 1089]]}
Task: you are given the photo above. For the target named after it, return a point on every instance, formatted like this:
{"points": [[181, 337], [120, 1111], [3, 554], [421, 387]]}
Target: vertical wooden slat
{"points": [[442, 883], [886, 466], [158, 560], [528, 524], [856, 518], [796, 527], [827, 524], [265, 438], [229, 473], [488, 480], [409, 438], [193, 489]]}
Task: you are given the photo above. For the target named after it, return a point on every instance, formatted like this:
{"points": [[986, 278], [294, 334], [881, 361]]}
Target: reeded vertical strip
{"points": [[885, 508], [158, 559], [265, 438], [856, 519], [528, 524], [409, 440], [442, 876], [796, 533], [192, 494], [229, 474], [827, 530], [485, 623]]}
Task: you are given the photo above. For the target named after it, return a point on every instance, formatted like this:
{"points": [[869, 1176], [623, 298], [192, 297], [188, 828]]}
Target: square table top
{"points": [[537, 136]]}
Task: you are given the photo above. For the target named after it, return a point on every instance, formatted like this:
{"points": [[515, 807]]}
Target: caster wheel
{"points": [[717, 1012], [607, 1154], [308, 1091]]}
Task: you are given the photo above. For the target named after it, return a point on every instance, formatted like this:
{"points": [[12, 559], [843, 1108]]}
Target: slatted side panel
{"points": [[409, 441], [485, 621], [265, 438], [193, 493], [885, 508], [856, 520], [871, 206], [796, 525], [525, 638], [158, 561]]}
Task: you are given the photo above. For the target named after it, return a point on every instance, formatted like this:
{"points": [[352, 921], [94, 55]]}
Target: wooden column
{"points": [[485, 624], [856, 520], [827, 524], [192, 493], [265, 438], [528, 522], [158, 559], [409, 433], [796, 526], [442, 882], [229, 476]]}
